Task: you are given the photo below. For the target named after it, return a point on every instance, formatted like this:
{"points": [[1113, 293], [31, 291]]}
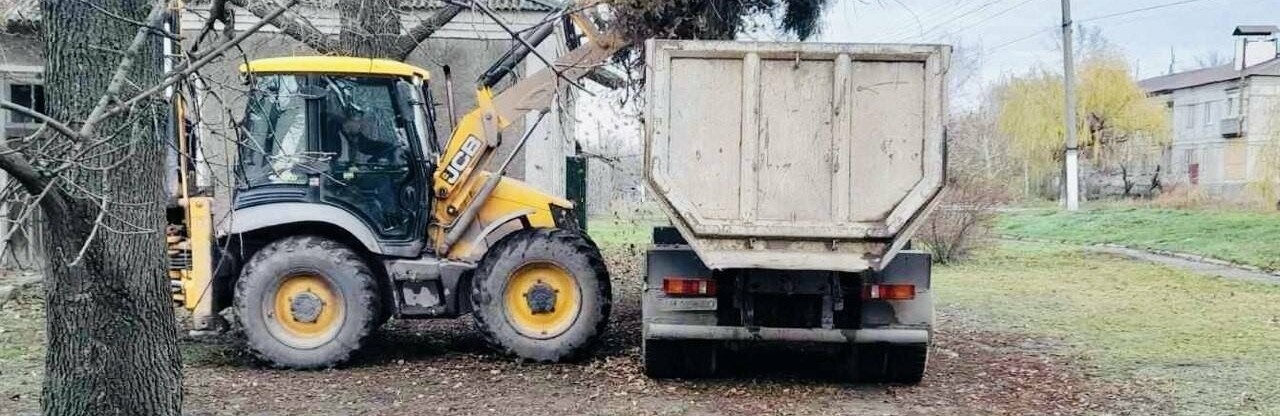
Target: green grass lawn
{"points": [[1243, 237], [1215, 343], [609, 231]]}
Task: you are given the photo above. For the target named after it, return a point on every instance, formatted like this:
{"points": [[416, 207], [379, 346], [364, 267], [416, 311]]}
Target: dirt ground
{"points": [[443, 367]]}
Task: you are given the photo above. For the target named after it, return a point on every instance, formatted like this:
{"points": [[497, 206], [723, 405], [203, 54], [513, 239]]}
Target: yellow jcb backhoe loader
{"points": [[348, 211]]}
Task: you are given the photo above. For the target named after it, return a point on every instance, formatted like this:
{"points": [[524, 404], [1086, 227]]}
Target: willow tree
{"points": [[1118, 124]]}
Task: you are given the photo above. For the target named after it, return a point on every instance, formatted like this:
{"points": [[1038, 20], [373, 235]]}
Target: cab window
{"points": [[275, 125], [360, 124]]}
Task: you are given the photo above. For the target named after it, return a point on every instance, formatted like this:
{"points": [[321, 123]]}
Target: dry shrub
{"points": [[965, 218], [1183, 197]]}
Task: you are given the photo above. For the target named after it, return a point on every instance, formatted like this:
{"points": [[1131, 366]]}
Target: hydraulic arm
{"points": [[460, 187]]}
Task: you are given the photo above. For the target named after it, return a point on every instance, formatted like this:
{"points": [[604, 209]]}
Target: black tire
{"points": [[572, 253], [902, 364], [327, 262], [678, 359]]}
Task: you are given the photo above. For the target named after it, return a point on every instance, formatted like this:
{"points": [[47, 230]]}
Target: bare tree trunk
{"points": [[112, 336], [370, 28]]}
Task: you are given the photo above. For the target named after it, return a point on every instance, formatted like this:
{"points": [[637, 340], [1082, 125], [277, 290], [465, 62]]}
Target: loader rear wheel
{"points": [[542, 295], [678, 359], [306, 302]]}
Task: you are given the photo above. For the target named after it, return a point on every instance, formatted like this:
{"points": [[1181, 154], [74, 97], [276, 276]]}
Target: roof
{"points": [[25, 14], [1166, 83], [21, 15], [1255, 30], [332, 65]]}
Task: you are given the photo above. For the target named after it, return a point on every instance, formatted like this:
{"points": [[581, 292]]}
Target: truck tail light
{"points": [[889, 292], [686, 286]]}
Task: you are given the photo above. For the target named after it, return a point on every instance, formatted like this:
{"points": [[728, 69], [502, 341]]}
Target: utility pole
{"points": [[1068, 78]]}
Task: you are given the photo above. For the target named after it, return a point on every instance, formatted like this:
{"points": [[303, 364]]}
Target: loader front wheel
{"points": [[306, 302], [542, 295]]}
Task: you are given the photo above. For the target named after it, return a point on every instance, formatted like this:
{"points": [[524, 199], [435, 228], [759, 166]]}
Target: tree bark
{"points": [[111, 331], [369, 28]]}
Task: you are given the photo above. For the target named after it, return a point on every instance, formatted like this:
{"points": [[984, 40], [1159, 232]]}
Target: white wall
{"points": [[1224, 162]]}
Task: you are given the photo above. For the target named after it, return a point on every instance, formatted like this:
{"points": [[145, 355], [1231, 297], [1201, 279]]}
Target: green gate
{"points": [[575, 188]]}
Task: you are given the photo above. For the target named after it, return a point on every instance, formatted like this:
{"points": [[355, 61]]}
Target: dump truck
{"points": [[793, 175], [350, 210]]}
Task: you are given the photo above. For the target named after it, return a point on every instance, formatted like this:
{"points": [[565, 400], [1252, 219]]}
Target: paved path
{"points": [[1192, 265], [1188, 262]]}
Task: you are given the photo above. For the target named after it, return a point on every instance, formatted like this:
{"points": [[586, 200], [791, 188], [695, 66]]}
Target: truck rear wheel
{"points": [[903, 364], [542, 295], [678, 359], [306, 302]]}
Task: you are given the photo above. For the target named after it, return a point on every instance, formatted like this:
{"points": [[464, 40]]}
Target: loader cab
{"points": [[349, 133]]}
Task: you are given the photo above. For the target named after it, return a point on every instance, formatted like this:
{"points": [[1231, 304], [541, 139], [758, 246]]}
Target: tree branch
{"points": [[48, 121], [15, 165], [182, 71], [298, 29], [117, 16], [122, 70], [406, 43]]}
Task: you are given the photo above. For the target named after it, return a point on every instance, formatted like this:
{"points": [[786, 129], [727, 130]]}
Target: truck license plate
{"points": [[677, 304]]}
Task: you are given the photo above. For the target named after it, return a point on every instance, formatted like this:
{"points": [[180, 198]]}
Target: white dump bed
{"points": [[799, 156]]}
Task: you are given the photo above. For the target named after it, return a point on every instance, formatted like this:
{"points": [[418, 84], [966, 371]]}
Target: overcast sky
{"points": [[1012, 36]]}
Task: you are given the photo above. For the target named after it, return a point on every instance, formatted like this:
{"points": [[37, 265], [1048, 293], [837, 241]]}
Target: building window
{"points": [[1233, 103], [1191, 117], [26, 95], [1208, 113], [1192, 166]]}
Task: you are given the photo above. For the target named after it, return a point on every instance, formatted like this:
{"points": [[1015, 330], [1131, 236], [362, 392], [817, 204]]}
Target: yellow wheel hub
{"points": [[307, 310], [542, 300]]}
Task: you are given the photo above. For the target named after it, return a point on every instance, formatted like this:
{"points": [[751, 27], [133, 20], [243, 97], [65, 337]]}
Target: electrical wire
{"points": [[988, 18], [1094, 19], [935, 19], [956, 17]]}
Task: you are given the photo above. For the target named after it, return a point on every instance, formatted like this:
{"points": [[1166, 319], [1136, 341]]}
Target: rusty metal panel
{"points": [[795, 155]]}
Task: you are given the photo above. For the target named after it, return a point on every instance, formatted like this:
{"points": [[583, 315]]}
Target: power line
{"points": [[1095, 18], [988, 18], [1029, 36], [932, 15], [957, 17], [1139, 10], [947, 16]]}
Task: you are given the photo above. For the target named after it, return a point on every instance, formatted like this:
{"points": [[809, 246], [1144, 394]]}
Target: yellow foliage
{"points": [[1031, 115], [1111, 109]]}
